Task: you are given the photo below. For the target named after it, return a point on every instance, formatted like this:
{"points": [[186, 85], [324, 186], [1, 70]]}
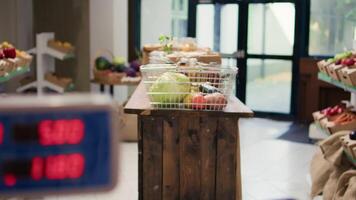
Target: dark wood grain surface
{"points": [[170, 159], [139, 104], [226, 159], [208, 133], [190, 158], [152, 159], [194, 157]]}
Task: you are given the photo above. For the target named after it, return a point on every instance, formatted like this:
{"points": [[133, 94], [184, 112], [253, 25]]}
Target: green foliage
{"points": [[167, 42]]}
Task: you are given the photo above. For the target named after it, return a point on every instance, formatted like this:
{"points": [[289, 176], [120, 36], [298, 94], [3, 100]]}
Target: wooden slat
{"points": [[189, 158], [226, 159], [140, 159], [238, 164], [170, 159], [208, 130], [152, 158]]}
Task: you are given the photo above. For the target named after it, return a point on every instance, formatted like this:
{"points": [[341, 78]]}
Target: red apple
{"points": [[10, 52], [216, 101], [198, 102], [349, 62]]}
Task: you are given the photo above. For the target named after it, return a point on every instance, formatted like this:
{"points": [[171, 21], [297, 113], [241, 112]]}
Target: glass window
{"points": [[205, 25], [167, 17], [225, 16], [228, 28], [332, 26], [271, 28], [269, 84]]}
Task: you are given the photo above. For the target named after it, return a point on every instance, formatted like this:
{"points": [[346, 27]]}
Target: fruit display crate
{"points": [[328, 79], [19, 71]]}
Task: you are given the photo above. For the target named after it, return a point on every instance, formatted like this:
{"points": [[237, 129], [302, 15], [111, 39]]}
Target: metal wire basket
{"points": [[198, 87]]}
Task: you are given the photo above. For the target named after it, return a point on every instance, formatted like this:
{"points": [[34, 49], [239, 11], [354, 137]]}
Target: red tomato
{"points": [[198, 102]]}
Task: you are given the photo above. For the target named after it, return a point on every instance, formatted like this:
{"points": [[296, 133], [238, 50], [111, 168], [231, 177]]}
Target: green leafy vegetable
{"points": [[170, 87], [167, 43]]}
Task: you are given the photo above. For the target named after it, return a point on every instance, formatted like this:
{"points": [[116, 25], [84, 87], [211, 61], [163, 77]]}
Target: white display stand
{"points": [[45, 58]]}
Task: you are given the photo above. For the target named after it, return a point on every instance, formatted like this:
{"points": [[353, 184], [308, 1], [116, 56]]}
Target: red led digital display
{"points": [[56, 167], [1, 133], [9, 180], [64, 167], [59, 132], [37, 168]]}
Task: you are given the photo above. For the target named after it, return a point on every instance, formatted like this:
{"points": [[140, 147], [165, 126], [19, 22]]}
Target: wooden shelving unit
{"points": [[45, 57], [328, 79], [351, 89]]}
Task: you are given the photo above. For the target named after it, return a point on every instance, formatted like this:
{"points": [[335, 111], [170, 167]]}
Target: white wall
{"points": [[120, 10], [155, 19], [109, 30], [16, 27], [101, 26]]}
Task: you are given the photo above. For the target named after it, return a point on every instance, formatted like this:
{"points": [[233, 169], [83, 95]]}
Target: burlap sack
{"points": [[332, 148], [320, 170], [330, 187], [346, 186], [325, 165]]}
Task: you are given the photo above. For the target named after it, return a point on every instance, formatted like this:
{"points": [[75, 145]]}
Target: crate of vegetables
{"points": [[340, 122], [194, 87], [333, 64], [113, 70], [329, 112]]}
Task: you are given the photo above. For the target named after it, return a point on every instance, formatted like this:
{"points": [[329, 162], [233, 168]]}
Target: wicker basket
{"points": [[106, 76]]}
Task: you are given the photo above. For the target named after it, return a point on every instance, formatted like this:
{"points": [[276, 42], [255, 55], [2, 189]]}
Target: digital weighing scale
{"points": [[57, 144]]}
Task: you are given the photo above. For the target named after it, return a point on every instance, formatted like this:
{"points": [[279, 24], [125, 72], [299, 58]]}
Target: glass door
{"points": [[217, 27], [259, 39], [270, 47]]}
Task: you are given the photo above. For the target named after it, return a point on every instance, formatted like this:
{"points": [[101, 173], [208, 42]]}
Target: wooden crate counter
{"points": [[188, 154]]}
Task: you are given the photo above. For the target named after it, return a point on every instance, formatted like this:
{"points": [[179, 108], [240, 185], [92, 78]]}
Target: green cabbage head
{"points": [[170, 87]]}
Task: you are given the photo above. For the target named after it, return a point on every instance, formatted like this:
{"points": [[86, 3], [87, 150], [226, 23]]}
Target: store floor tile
{"points": [[271, 168]]}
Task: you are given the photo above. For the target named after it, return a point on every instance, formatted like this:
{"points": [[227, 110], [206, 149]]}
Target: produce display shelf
{"points": [[324, 77], [59, 55], [17, 72]]}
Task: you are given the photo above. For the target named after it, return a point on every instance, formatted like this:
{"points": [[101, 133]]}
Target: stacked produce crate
{"points": [[12, 59]]}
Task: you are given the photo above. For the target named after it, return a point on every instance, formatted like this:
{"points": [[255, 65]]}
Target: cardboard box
{"points": [[147, 49], [318, 116], [54, 45], [60, 81], [322, 66], [203, 58], [348, 75], [333, 128], [128, 125], [333, 71]]}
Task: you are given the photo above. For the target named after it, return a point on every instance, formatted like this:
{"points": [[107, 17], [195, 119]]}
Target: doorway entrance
{"points": [[258, 36]]}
